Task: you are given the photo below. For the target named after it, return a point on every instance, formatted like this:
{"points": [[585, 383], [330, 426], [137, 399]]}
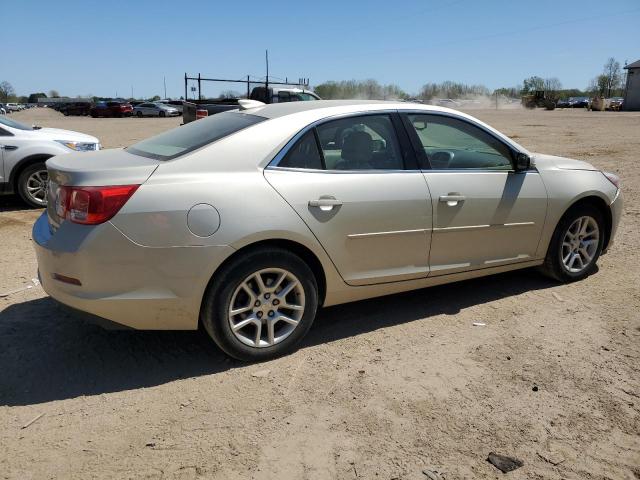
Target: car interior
{"points": [[360, 143], [453, 144]]}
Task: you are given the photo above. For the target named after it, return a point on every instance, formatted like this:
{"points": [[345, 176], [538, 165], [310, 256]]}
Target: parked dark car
{"points": [[563, 103], [77, 108], [111, 109], [579, 102]]}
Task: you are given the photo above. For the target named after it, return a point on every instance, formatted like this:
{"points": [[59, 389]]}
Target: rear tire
{"points": [[287, 281], [576, 245], [139, 114], [32, 185]]}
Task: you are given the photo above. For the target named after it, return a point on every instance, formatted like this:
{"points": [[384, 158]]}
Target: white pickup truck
{"points": [[24, 151]]}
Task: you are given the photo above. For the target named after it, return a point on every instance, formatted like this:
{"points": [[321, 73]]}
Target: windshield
{"points": [[13, 124], [184, 139]]}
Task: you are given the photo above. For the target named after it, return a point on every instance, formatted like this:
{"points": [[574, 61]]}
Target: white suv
{"points": [[24, 151]]}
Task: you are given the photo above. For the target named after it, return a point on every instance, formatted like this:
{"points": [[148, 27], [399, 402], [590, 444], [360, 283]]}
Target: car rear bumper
{"points": [[139, 287]]}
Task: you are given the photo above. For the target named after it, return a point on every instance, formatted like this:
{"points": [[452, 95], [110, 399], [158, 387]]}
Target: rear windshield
{"points": [[199, 133]]}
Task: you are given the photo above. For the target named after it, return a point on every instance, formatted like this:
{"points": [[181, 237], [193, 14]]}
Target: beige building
{"points": [[632, 88]]}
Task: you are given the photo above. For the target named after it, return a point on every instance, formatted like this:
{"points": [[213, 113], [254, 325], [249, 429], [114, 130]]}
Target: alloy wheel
{"points": [[266, 307], [580, 244], [36, 186]]}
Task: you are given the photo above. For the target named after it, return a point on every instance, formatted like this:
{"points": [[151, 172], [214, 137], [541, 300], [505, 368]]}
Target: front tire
{"points": [[139, 114], [576, 245], [32, 185], [260, 305]]}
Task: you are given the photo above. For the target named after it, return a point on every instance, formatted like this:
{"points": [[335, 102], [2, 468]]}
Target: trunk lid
{"points": [[94, 169]]}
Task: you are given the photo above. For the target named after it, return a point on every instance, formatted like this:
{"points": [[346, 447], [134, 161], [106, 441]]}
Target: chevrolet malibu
{"points": [[246, 222]]}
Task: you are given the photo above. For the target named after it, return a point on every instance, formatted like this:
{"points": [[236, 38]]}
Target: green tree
{"points": [[599, 85], [532, 84], [613, 74], [229, 94], [54, 94], [361, 89], [450, 89], [33, 98], [6, 91]]}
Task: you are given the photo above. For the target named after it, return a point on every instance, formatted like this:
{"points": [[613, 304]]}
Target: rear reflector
{"points": [[201, 113], [92, 205]]}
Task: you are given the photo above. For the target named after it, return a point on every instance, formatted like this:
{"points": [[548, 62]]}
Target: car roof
{"points": [[324, 108], [304, 113]]}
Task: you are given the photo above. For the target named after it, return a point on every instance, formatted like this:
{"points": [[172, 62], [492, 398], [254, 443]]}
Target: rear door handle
{"points": [[452, 199], [325, 203], [8, 147]]}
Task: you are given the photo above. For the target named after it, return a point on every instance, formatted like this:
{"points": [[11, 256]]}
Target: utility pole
{"points": [[164, 79], [266, 83]]}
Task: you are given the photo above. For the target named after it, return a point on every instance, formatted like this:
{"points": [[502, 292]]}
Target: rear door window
{"points": [[304, 154], [367, 142]]}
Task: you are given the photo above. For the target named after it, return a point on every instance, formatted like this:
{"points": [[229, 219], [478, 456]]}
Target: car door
{"points": [[353, 183], [485, 213]]}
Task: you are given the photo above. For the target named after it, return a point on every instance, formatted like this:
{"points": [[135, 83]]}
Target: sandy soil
{"points": [[381, 389]]}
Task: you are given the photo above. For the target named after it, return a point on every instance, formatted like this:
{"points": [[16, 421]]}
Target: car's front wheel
{"points": [[260, 305], [32, 185], [576, 244]]}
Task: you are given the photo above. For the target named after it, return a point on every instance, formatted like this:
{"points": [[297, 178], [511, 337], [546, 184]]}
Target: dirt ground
{"points": [[381, 389]]}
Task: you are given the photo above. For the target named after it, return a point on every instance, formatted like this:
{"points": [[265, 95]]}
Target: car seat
{"points": [[357, 152]]}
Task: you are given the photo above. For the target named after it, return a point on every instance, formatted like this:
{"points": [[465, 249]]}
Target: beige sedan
{"points": [[248, 221]]}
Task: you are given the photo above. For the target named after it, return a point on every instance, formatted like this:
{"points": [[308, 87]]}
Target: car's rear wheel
{"points": [[260, 305], [32, 185], [576, 245], [139, 114]]}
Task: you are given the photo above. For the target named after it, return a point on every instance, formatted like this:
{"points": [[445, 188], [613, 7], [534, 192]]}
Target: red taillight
{"points": [[92, 205], [201, 113]]}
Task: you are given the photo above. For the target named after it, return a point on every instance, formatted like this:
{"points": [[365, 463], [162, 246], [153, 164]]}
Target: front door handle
{"points": [[452, 199], [325, 203]]}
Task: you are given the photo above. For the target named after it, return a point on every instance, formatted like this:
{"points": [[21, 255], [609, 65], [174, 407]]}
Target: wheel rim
{"points": [[37, 186], [266, 307], [580, 244]]}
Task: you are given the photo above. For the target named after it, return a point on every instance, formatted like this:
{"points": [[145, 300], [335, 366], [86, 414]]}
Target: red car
{"points": [[111, 109]]}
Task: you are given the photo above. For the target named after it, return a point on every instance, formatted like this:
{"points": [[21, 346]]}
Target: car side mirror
{"points": [[523, 161]]}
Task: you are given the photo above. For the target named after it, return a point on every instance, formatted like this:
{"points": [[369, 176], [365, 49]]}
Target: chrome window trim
{"points": [[315, 170], [273, 164]]}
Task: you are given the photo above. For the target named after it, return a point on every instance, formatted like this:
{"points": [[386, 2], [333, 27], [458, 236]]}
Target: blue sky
{"points": [[104, 47]]}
